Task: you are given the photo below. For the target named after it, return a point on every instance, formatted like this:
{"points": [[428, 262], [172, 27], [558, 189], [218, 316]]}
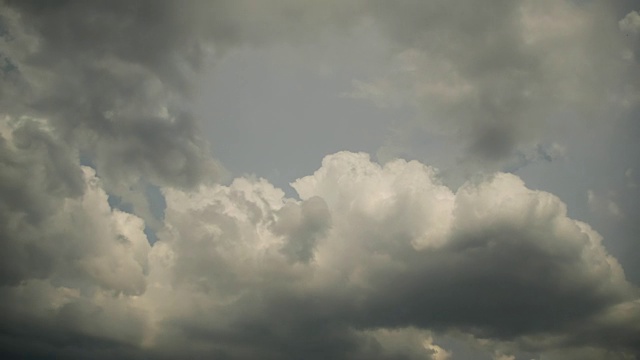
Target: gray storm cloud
{"points": [[104, 75], [383, 250], [370, 261], [500, 77]]}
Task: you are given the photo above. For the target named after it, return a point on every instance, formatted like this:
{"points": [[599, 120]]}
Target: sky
{"points": [[283, 179]]}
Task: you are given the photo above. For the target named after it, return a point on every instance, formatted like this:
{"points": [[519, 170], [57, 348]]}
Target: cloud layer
{"points": [[370, 257], [118, 241]]}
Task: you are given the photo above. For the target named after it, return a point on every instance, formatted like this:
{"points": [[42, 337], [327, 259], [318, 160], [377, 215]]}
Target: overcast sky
{"points": [[438, 180]]}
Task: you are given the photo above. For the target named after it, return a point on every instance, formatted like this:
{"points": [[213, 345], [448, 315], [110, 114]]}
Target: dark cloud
{"points": [[501, 75], [110, 82], [110, 78], [496, 243], [38, 171]]}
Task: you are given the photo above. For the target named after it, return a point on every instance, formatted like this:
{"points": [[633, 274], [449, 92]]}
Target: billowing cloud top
{"points": [[120, 239]]}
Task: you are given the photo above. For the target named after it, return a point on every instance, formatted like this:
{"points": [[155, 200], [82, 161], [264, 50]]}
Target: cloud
{"points": [[604, 204], [498, 79], [630, 23], [371, 262], [494, 259], [241, 271], [630, 27], [71, 266], [408, 343], [54, 209], [111, 79], [116, 80], [505, 263], [504, 77]]}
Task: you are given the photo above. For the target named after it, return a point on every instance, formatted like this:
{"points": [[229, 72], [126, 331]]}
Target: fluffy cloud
{"points": [[242, 271], [494, 259]]}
